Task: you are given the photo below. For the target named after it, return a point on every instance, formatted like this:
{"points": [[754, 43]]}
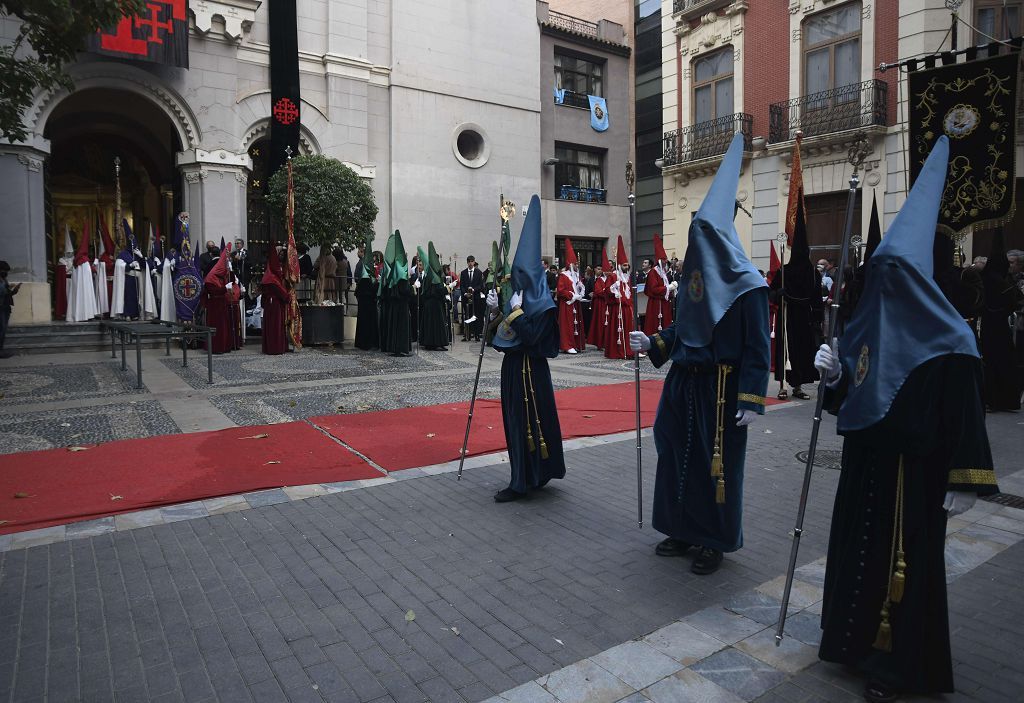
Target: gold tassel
{"points": [[716, 464], [543, 448], [883, 640], [896, 586], [720, 491]]}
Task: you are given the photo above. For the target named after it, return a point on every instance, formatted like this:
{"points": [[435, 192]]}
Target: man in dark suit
{"points": [[209, 258], [471, 281]]}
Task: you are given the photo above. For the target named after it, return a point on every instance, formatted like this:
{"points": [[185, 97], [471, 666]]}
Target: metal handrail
{"points": [[853, 106], [706, 139]]}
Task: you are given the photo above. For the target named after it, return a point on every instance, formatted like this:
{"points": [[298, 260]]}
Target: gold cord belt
{"points": [[898, 568], [529, 394], [717, 465]]}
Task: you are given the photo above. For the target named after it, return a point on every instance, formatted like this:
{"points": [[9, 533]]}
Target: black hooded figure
{"points": [[799, 285], [367, 335], [854, 286], [1002, 297], [961, 286]]}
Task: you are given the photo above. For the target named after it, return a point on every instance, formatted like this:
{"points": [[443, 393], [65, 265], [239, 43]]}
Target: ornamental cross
{"points": [[186, 288]]}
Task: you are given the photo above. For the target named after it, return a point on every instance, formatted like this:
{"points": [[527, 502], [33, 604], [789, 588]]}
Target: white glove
{"points": [[173, 265], [482, 296], [134, 266], [448, 298], [828, 365], [492, 300], [416, 284], [745, 417], [95, 262], [517, 299], [958, 502], [638, 341], [230, 286], [137, 253], [674, 285]]}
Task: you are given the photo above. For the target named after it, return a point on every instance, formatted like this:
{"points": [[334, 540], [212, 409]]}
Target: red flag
{"points": [[293, 315], [773, 268], [796, 190]]}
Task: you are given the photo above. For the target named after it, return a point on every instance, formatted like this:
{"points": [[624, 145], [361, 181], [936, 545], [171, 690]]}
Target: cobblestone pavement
{"points": [[425, 590]]}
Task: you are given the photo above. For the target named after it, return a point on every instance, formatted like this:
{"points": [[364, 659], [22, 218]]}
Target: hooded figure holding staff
{"points": [[906, 385], [716, 386], [527, 334]]}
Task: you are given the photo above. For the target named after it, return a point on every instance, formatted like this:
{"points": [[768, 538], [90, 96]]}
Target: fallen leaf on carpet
{"points": [[4, 522], [410, 616], [431, 434], [114, 497], [77, 449], [588, 416], [489, 427], [456, 631], [256, 436], [22, 495], [272, 462]]}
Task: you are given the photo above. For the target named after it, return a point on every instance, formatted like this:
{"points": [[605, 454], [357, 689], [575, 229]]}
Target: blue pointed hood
{"points": [[716, 270], [128, 252], [528, 275], [903, 319]]}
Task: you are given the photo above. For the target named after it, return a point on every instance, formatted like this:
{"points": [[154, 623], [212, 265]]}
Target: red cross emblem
{"points": [[286, 112], [188, 287], [160, 24]]}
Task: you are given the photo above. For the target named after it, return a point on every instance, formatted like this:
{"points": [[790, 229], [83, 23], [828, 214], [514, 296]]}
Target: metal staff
{"points": [[506, 212], [781, 317], [856, 156], [118, 229], [630, 181]]}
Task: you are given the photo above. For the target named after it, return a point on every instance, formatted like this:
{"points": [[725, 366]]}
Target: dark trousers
{"points": [[5, 317]]}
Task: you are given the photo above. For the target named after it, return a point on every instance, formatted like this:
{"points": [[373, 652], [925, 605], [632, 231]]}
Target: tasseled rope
{"points": [[536, 412], [717, 465], [897, 582], [530, 446]]}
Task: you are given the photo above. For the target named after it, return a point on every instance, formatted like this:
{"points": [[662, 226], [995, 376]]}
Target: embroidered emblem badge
{"points": [[696, 287], [863, 364]]}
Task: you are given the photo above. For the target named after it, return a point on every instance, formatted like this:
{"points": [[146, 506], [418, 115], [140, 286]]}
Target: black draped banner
{"points": [[285, 99], [158, 35], [974, 104]]}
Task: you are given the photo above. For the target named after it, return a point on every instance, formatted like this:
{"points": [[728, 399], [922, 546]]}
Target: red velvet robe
{"points": [[570, 317], [274, 301], [234, 297], [620, 319], [60, 284], [599, 320], [218, 315], [655, 289]]}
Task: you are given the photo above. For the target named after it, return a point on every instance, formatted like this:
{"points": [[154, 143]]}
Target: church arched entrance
{"points": [[88, 131]]}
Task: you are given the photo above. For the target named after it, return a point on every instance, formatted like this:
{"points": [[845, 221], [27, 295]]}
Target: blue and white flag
{"points": [[559, 96], [598, 113]]}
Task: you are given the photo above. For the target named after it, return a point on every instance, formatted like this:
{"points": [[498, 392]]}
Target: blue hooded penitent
{"points": [[528, 276], [903, 319], [716, 270]]}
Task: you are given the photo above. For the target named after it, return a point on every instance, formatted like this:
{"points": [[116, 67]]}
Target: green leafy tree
{"points": [[51, 32], [332, 203]]}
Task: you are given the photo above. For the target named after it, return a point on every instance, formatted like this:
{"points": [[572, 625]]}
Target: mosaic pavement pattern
{"points": [[298, 404], [307, 365], [593, 360], [46, 429], [55, 383]]}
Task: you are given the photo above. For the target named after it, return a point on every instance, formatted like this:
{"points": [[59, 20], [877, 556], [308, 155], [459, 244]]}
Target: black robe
{"points": [[801, 318], [366, 318], [938, 421], [434, 327], [685, 506], [1002, 382], [395, 334], [538, 341]]}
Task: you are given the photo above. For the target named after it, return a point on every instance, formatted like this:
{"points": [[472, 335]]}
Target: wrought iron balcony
{"points": [[573, 99], [853, 106], [572, 24], [706, 139], [583, 195]]}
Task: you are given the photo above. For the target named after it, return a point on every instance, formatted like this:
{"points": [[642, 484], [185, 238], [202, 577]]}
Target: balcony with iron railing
{"points": [[704, 140], [831, 112], [572, 24], [573, 99], [583, 195]]}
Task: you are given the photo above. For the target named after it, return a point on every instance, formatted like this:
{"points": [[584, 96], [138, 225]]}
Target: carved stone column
{"points": [[214, 193], [23, 235]]}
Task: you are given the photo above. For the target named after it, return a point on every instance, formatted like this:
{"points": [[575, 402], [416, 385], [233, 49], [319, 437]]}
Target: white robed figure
{"points": [[68, 262], [147, 294], [167, 310], [102, 302], [82, 301]]}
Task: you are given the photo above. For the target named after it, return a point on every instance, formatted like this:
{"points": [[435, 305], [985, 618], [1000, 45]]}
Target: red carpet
{"points": [[59, 486], [410, 437]]}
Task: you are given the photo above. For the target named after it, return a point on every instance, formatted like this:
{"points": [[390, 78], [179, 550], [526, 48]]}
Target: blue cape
{"points": [[903, 319], [716, 270], [528, 276]]}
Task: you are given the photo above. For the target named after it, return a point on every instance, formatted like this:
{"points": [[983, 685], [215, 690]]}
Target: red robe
{"points": [[60, 284], [599, 321], [657, 305], [274, 301], [570, 317], [620, 319], [216, 301], [234, 296]]}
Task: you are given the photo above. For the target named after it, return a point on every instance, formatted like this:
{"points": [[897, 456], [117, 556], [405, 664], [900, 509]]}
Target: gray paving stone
{"points": [[687, 686], [585, 682], [262, 498], [637, 663], [739, 673], [756, 606], [684, 643], [723, 625], [90, 528]]}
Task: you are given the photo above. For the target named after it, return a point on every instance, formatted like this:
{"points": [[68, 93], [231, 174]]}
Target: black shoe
{"points": [[707, 562], [876, 692], [672, 548], [507, 495], [797, 393], [783, 395]]}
